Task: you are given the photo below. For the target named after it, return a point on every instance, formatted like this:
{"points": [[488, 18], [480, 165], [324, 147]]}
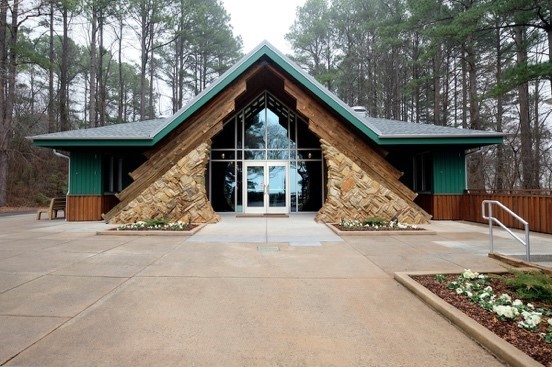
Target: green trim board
{"points": [[467, 141], [54, 143], [266, 52]]}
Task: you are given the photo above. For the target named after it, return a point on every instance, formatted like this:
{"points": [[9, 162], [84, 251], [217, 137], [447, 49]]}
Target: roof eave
{"points": [[98, 142], [441, 140]]}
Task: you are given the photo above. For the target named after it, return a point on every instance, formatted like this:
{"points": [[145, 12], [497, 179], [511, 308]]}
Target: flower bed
{"points": [[489, 301], [375, 224], [156, 226]]}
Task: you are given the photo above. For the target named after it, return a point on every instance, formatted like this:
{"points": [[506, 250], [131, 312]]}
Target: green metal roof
{"points": [[381, 131]]}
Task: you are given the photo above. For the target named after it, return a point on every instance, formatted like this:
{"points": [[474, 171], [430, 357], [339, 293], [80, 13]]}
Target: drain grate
{"points": [[268, 248]]}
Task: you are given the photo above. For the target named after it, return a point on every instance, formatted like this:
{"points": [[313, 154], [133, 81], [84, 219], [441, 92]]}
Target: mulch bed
{"points": [[372, 229], [530, 343]]}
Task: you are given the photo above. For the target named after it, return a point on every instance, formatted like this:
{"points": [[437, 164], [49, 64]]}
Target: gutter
{"points": [[466, 154], [61, 155]]}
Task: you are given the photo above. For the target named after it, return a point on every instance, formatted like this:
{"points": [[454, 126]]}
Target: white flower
{"points": [[468, 274], [530, 306], [481, 276], [517, 303], [550, 321], [488, 289], [459, 290], [505, 297], [530, 320], [469, 294], [484, 295], [468, 285], [506, 311]]}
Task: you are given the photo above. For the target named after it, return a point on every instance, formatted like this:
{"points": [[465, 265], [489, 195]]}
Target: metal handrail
{"points": [[492, 220]]}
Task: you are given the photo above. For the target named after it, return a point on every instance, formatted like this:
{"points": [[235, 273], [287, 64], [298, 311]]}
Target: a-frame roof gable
{"points": [[381, 131]]}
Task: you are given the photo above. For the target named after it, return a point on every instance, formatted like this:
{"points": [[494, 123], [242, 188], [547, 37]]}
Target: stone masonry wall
{"points": [[179, 195], [352, 194]]}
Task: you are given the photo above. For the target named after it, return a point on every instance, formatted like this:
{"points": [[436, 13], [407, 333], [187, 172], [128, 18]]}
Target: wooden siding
{"points": [[533, 208], [441, 207], [89, 207], [449, 172], [85, 176]]}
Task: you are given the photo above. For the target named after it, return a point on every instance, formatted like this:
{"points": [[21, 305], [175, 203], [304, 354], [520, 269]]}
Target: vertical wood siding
{"points": [[536, 209], [87, 207]]}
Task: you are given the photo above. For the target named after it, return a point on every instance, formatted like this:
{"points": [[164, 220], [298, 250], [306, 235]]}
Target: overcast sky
{"points": [[258, 20]]}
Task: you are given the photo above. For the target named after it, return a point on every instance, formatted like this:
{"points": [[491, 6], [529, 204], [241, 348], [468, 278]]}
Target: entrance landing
{"points": [[296, 229]]}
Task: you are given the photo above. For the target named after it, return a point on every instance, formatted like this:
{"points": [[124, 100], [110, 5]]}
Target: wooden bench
{"points": [[56, 204]]}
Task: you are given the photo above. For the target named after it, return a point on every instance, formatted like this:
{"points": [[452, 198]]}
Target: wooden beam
{"points": [[327, 127], [200, 128]]}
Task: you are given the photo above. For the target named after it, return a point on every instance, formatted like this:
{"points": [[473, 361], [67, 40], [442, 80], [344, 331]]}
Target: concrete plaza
{"points": [[244, 292]]}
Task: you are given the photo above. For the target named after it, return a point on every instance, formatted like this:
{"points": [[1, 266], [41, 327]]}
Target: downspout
{"points": [[466, 154], [68, 170]]}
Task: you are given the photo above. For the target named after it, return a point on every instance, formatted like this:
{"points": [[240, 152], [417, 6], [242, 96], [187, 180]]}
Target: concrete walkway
{"points": [[70, 298]]}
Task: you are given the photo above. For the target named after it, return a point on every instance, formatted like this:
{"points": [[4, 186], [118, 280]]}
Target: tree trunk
{"points": [[464, 90], [63, 82], [120, 108], [101, 75], [151, 72], [537, 134], [500, 171], [477, 178], [51, 92], [144, 53], [527, 168], [8, 69], [437, 88], [92, 72]]}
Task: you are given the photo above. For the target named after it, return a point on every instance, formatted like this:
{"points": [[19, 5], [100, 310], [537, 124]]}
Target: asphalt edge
{"points": [[493, 343]]}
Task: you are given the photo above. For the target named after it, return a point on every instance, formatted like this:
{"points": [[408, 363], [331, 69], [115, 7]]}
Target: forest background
{"points": [[474, 64]]}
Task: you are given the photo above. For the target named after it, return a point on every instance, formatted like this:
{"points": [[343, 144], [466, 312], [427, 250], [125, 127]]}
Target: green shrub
{"points": [[375, 221], [156, 222], [531, 286]]}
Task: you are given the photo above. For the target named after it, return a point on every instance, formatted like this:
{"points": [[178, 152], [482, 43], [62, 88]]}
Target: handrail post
{"points": [[491, 240], [492, 219], [528, 245]]}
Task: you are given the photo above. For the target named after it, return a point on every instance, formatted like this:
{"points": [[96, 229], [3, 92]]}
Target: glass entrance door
{"points": [[266, 187]]}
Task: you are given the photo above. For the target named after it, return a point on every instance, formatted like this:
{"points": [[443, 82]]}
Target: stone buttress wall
{"points": [[353, 194], [179, 195]]}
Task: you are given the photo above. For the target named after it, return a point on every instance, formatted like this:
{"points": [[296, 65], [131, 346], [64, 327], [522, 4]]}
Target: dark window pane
{"points": [[239, 188], [255, 131], [223, 154], [276, 131], [278, 154], [309, 186], [255, 154], [223, 186], [226, 138], [293, 186], [309, 154], [305, 138]]}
